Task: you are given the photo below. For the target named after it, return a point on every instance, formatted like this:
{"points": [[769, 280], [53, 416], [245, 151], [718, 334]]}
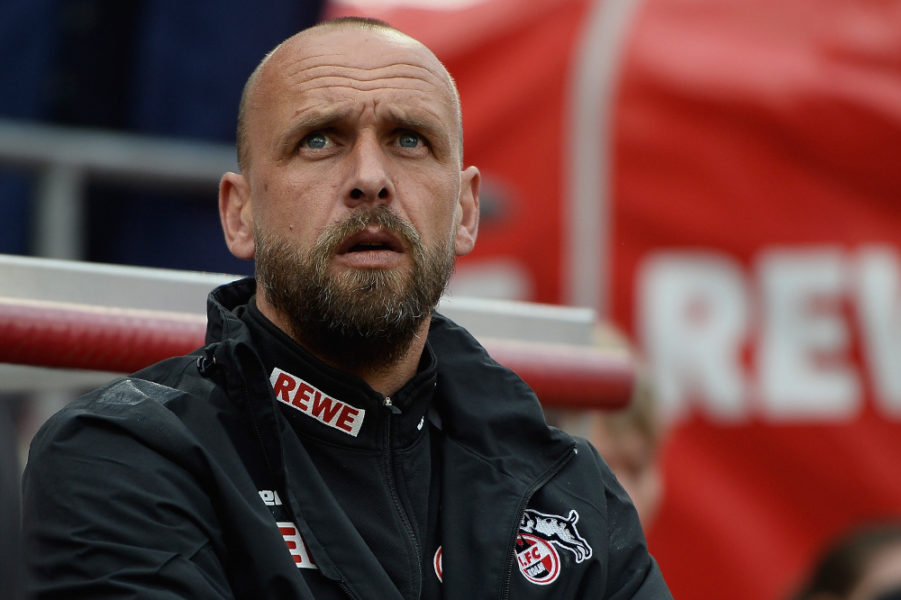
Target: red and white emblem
{"points": [[438, 564], [537, 559], [541, 536]]}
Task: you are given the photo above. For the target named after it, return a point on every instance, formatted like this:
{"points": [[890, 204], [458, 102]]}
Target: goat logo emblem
{"points": [[540, 535]]}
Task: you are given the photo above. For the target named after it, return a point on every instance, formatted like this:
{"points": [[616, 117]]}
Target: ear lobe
{"points": [[467, 212], [236, 214]]}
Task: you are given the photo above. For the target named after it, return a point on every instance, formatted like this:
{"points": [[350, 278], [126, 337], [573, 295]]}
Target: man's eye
{"points": [[315, 141], [409, 140]]}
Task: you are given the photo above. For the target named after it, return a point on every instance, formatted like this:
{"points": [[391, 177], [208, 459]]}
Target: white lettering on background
{"points": [[803, 351], [773, 339], [693, 317], [878, 287]]}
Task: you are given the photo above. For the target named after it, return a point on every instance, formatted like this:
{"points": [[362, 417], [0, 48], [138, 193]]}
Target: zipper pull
{"points": [[390, 405]]}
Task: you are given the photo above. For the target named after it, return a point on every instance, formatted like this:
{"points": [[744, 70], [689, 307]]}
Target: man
{"points": [[334, 438]]}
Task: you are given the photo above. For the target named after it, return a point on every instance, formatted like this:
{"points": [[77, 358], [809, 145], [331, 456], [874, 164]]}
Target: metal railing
{"points": [[70, 314], [65, 159]]}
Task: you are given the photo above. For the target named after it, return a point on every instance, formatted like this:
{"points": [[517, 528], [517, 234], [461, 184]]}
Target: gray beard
{"points": [[361, 320]]}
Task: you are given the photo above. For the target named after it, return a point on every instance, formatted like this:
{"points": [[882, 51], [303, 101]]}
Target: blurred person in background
{"points": [[629, 439], [863, 564]]}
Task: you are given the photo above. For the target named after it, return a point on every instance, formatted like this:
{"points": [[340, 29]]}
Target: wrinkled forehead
{"points": [[365, 59]]}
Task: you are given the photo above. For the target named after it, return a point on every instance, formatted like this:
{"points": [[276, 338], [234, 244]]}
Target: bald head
{"points": [[316, 41]]}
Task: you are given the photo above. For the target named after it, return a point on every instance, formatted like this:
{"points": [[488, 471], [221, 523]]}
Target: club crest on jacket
{"points": [[540, 537]]}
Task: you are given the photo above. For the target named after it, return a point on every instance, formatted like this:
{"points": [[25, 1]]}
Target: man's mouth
{"points": [[371, 240]]}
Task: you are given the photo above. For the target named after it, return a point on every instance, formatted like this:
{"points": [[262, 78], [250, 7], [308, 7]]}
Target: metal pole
{"points": [[59, 213]]}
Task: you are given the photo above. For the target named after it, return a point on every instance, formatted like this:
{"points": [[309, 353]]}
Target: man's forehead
{"points": [[336, 64], [354, 48]]}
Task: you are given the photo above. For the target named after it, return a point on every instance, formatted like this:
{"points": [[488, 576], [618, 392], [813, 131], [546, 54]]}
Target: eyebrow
{"points": [[315, 120], [428, 126], [401, 118]]}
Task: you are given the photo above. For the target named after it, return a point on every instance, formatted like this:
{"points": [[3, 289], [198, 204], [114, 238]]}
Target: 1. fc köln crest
{"points": [[540, 537]]}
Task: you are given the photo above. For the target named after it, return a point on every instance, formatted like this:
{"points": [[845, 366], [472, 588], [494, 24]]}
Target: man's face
{"points": [[355, 181]]}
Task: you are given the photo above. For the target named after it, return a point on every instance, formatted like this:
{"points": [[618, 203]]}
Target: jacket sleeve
{"points": [[632, 573], [109, 514]]}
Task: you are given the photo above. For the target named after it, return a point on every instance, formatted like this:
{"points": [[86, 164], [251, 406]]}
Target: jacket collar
{"points": [[482, 405], [334, 407]]}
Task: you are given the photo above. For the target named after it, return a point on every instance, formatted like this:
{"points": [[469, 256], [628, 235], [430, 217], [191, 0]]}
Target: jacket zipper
{"points": [[545, 477], [346, 589], [392, 486]]}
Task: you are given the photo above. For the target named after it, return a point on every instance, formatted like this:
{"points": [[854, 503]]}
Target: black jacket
{"points": [[186, 480]]}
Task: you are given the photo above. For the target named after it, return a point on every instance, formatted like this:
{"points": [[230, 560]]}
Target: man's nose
{"points": [[370, 180]]}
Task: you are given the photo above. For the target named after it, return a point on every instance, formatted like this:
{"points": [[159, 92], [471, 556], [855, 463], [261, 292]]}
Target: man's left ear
{"points": [[467, 216]]}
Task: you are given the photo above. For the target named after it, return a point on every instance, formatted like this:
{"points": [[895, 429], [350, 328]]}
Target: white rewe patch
{"points": [[300, 395], [296, 546]]}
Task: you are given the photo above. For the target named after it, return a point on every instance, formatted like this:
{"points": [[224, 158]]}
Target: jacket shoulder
{"points": [[148, 405], [108, 481], [587, 493]]}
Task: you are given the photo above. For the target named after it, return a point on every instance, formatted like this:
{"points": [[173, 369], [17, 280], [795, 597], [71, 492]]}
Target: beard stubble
{"points": [[358, 319]]}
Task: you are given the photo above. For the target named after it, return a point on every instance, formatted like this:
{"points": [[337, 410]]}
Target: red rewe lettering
{"points": [[296, 546], [306, 398], [347, 421], [283, 385], [304, 393], [325, 408], [290, 535]]}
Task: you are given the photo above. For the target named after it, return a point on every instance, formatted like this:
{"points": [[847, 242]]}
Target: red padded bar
{"points": [[78, 336]]}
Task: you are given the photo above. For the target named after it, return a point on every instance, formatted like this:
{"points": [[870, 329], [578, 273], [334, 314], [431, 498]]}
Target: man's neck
{"points": [[386, 379]]}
